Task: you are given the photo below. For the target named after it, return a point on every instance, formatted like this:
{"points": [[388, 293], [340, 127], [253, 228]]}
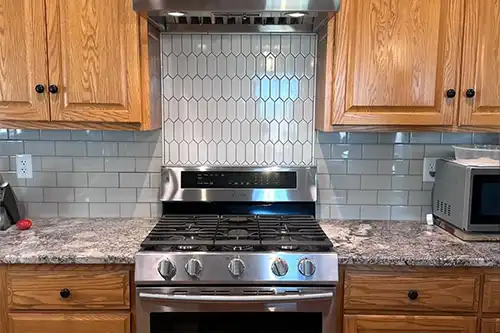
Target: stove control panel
{"points": [[242, 267], [239, 179], [307, 267]]}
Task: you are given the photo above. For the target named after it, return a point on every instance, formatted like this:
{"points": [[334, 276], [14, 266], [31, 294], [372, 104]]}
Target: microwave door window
{"points": [[236, 322], [485, 199]]}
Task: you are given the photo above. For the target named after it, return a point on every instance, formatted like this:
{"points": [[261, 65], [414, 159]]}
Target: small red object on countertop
{"points": [[23, 224]]}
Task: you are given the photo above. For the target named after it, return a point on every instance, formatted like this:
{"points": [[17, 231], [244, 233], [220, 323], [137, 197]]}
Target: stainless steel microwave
{"points": [[467, 197]]}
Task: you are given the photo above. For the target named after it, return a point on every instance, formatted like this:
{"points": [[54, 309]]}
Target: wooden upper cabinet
{"points": [[23, 60], [481, 64], [93, 48], [395, 60], [408, 324]]}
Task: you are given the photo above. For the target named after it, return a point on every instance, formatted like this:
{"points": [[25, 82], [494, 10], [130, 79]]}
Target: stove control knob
{"points": [[307, 267], [279, 267], [236, 267], [167, 269], [193, 268]]}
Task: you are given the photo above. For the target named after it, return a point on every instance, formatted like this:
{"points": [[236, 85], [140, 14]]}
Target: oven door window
{"points": [[231, 322], [485, 207]]}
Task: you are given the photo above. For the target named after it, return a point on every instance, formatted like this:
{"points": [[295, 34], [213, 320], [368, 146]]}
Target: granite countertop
{"points": [[115, 241], [406, 243], [75, 241]]}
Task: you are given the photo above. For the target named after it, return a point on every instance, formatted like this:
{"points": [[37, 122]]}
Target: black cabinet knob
{"points": [[39, 88], [65, 293], [470, 93], [53, 89], [413, 294], [450, 93]]}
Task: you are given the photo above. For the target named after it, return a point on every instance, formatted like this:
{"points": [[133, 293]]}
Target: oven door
{"points": [[235, 309]]}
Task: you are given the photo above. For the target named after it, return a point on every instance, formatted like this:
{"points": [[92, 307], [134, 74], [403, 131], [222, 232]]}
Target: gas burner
{"points": [[237, 233], [288, 247], [187, 247], [237, 218], [237, 248]]}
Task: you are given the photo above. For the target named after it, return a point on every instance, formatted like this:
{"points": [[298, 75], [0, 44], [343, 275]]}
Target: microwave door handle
{"points": [[239, 299]]}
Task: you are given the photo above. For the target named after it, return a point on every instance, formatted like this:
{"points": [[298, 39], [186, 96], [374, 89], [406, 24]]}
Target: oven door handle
{"points": [[238, 299]]}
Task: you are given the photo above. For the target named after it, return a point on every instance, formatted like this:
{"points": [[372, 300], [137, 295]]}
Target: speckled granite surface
{"points": [[75, 241], [115, 241], [405, 243]]}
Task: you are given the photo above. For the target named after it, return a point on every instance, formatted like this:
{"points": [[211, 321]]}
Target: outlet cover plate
{"points": [[429, 166], [24, 166]]}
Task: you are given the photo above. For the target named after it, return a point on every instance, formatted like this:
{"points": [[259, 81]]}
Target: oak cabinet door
{"points": [[68, 322], [481, 64], [93, 48], [23, 60], [408, 324], [490, 325], [395, 61]]}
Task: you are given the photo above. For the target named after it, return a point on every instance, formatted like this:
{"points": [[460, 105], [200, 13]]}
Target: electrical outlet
{"points": [[24, 166], [429, 168]]}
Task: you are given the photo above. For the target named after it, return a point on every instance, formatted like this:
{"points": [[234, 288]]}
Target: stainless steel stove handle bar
{"points": [[239, 299]]}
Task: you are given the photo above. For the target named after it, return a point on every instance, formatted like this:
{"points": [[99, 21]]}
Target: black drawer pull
{"points": [[413, 294], [65, 293]]}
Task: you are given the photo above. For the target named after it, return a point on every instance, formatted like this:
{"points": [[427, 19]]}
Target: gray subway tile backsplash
{"points": [[73, 209], [393, 167], [71, 148], [90, 194], [392, 197], [104, 210], [361, 197], [375, 182], [377, 151], [50, 163], [375, 212], [343, 212], [113, 174], [102, 148], [346, 151], [406, 213]]}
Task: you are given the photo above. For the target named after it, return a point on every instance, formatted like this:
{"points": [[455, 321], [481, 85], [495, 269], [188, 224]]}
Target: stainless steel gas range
{"points": [[236, 250]]}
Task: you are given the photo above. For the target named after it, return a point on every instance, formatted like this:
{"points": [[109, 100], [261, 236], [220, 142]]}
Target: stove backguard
{"points": [[239, 184]]}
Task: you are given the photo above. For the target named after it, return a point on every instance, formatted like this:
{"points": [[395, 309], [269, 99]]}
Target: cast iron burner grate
{"points": [[237, 233]]}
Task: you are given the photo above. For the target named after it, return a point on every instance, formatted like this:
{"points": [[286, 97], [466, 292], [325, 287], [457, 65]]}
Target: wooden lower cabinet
{"points": [[66, 298], [69, 322], [408, 324], [490, 325]]}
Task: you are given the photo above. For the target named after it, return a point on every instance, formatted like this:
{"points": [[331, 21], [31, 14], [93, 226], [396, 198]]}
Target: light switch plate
{"points": [[24, 166], [429, 170]]}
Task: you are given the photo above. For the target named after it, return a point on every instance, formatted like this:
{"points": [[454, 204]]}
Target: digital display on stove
{"points": [[239, 179]]}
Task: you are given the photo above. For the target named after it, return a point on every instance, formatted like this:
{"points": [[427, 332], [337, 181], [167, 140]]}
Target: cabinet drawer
{"points": [[411, 291], [408, 324], [491, 296], [69, 322], [68, 290]]}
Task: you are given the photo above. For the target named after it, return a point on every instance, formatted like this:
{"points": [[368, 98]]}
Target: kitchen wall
{"points": [[379, 175], [85, 173], [238, 99]]}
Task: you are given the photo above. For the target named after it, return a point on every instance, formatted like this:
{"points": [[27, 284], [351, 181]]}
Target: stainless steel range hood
{"points": [[236, 15]]}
